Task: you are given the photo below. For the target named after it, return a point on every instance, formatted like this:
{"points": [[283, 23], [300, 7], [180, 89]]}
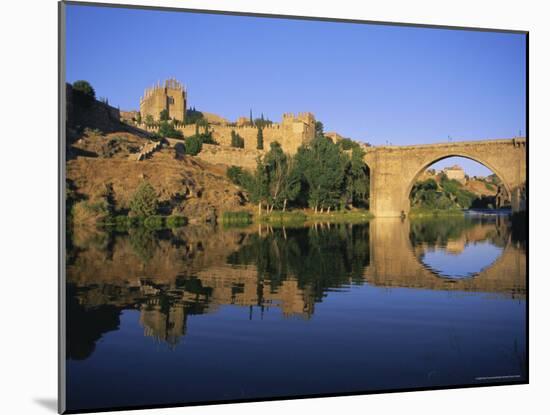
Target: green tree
{"points": [[164, 115], [192, 116], [293, 183], [259, 186], [260, 139], [236, 140], [241, 178], [144, 201], [193, 145], [319, 128], [83, 93], [262, 122], [425, 193], [356, 179], [322, 166], [149, 121], [138, 117], [347, 144], [85, 88], [276, 164]]}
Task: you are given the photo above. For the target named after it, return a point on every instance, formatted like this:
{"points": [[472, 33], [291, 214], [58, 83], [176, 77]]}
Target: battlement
{"points": [[305, 117], [159, 88]]}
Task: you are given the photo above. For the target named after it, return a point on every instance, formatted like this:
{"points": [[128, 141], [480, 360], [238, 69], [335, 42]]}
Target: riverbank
{"points": [[297, 217], [425, 212]]}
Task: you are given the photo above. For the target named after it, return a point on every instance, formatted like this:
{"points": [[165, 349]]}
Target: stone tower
{"points": [[171, 97], [297, 130]]}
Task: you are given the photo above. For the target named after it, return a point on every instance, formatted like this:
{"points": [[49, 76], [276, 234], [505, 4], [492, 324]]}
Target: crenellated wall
{"points": [[291, 133]]}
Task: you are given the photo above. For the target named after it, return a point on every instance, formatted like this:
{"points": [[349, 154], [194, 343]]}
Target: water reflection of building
{"points": [[167, 325], [167, 322], [455, 246], [240, 285]]}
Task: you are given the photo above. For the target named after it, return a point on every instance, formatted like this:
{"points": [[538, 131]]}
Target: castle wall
{"points": [[229, 156], [291, 133]]}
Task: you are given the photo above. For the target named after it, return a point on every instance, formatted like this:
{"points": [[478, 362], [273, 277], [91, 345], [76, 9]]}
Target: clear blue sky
{"points": [[373, 83]]}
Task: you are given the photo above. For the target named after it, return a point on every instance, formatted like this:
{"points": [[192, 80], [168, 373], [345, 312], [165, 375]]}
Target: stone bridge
{"points": [[394, 169]]}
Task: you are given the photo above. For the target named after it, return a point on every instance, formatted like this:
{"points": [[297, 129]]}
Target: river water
{"points": [[212, 314]]}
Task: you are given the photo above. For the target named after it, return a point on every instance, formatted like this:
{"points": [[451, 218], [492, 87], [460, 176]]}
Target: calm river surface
{"points": [[208, 314]]}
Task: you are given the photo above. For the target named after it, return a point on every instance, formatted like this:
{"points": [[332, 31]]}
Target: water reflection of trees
{"points": [[318, 258], [439, 231], [85, 326]]}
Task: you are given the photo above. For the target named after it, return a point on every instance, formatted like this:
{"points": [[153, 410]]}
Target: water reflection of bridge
{"points": [[395, 263]]}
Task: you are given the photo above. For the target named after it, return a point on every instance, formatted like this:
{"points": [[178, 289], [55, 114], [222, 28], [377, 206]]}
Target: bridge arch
{"points": [[427, 164]]}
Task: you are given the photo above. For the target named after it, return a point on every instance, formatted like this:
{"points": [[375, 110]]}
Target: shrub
{"points": [[175, 221], [167, 129], [144, 201], [180, 150], [234, 173], [164, 115], [193, 145], [490, 186], [90, 213], [347, 144], [121, 221], [154, 222], [240, 217], [149, 121], [285, 217], [133, 221], [207, 138]]}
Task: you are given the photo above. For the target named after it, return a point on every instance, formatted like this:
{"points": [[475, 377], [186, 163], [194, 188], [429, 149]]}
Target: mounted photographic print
{"points": [[260, 207]]}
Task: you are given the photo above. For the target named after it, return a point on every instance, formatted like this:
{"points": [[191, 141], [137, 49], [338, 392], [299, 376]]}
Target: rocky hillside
{"points": [[185, 185], [477, 186]]}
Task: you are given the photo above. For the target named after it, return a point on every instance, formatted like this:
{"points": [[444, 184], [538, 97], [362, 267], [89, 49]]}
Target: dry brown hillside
{"points": [[186, 186]]}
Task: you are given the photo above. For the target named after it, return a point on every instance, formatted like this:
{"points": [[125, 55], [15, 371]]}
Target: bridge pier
{"points": [[518, 199], [387, 195]]}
